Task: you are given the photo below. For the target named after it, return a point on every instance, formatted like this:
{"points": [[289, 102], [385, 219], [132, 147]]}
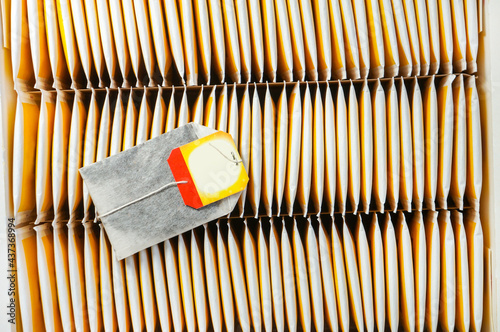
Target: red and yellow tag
{"points": [[211, 167]]}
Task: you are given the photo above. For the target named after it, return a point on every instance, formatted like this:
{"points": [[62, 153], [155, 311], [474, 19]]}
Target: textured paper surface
{"points": [[139, 171]]}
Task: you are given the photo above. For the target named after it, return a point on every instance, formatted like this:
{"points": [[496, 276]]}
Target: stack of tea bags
{"points": [[138, 43], [362, 207]]}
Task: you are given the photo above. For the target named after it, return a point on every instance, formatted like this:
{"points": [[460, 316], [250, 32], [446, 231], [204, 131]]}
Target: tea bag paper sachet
{"points": [[199, 287], [446, 36], [217, 39], [297, 40], [366, 147], [226, 290], [423, 35], [376, 39], [306, 155], [342, 151], [337, 40], [264, 275], [244, 140], [255, 182], [233, 61], [122, 51], [147, 166], [379, 187], [377, 257], [242, 21], [350, 40], [330, 152], [276, 276], [323, 39], [339, 271], [249, 249], [164, 57], [175, 36], [288, 281], [185, 282], [419, 251], [257, 39], [110, 321], [433, 247], [391, 272], [406, 159], [96, 43], [284, 42], [434, 38], [471, 24], [405, 57], [269, 37], [301, 279], [201, 16], [134, 46], [82, 39], [359, 11], [391, 52], [22, 65], [310, 48], [268, 152], [212, 278], [318, 151], [108, 42], [417, 127], [188, 40], [411, 24]]}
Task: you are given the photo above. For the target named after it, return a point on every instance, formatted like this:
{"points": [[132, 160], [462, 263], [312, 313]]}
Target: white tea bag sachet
{"points": [[314, 276], [173, 282], [447, 302], [433, 247], [212, 278], [251, 268], [366, 147], [471, 30], [134, 46], [82, 40], [244, 140], [277, 283], [323, 39], [301, 279], [175, 36], [376, 39], [255, 171], [318, 151], [379, 186], [342, 151], [350, 40], [281, 149], [96, 43], [459, 35], [189, 41], [146, 41], [306, 154], [297, 40], [391, 272], [310, 48], [359, 10], [200, 10], [459, 161], [446, 36], [108, 303], [406, 145], [268, 152], [378, 270], [431, 147], [226, 290], [22, 63], [119, 189], [423, 35], [294, 142], [390, 39], [330, 151], [354, 187], [284, 42], [245, 42], [264, 275], [270, 42], [232, 43], [337, 39], [108, 42], [161, 287], [185, 277], [393, 146], [288, 281], [405, 56], [217, 39], [419, 251], [199, 286], [164, 57], [434, 37], [417, 127]]}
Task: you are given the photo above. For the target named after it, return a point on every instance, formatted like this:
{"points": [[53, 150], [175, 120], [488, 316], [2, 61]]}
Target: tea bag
{"points": [[434, 36], [378, 271], [30, 302], [120, 38], [132, 270], [306, 153], [445, 139], [77, 275], [203, 36], [42, 70], [462, 318], [269, 40], [198, 108], [24, 157], [281, 149], [212, 278], [108, 45], [447, 302], [183, 111], [471, 30], [92, 272], [341, 288], [318, 151], [310, 48], [366, 146], [264, 281], [284, 42], [120, 293], [245, 45], [404, 49], [199, 287], [302, 279], [474, 148], [376, 39], [329, 296], [365, 273], [95, 41], [268, 152], [423, 35], [446, 36], [238, 279], [391, 272], [294, 142], [174, 287], [297, 40], [359, 10], [314, 276], [351, 266], [337, 38], [419, 252], [379, 189], [164, 58], [431, 147], [342, 151], [406, 145], [186, 282], [106, 282], [244, 141], [159, 115], [353, 190], [288, 281], [146, 41], [323, 39], [82, 39], [277, 283], [459, 36], [393, 146], [391, 52], [189, 42], [459, 161], [55, 48], [46, 273], [411, 25], [171, 121], [225, 280], [134, 46], [418, 145], [175, 36], [257, 39], [406, 274], [160, 287], [222, 112], [352, 51], [44, 142], [432, 239], [118, 126], [232, 42], [252, 276], [475, 247], [217, 39], [330, 152], [22, 64]]}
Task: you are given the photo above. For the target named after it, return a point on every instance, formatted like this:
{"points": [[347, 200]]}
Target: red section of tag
{"points": [[180, 172]]}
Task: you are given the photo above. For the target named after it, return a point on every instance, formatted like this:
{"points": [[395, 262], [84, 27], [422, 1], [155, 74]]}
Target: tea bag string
{"points": [[236, 162], [142, 197]]}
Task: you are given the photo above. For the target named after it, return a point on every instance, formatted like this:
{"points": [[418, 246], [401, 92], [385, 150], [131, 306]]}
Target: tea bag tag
{"points": [[208, 169]]}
